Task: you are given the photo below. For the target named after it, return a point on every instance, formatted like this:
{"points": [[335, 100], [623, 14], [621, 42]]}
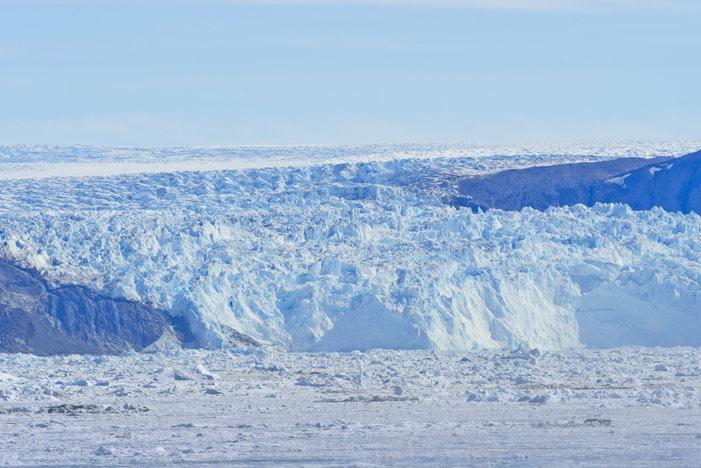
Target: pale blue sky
{"points": [[214, 72]]}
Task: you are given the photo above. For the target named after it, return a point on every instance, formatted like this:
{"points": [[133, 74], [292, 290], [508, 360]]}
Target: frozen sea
{"points": [[619, 407]]}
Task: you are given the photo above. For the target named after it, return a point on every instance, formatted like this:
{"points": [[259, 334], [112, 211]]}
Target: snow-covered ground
{"points": [[622, 407]]}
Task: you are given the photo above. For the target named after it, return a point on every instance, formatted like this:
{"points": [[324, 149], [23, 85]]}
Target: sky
{"points": [[236, 72]]}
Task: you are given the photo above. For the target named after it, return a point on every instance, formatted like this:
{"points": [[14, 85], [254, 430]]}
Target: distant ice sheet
{"points": [[44, 161]]}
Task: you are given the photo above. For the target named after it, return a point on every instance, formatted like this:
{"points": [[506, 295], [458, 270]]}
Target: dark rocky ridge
{"points": [[38, 319], [541, 187], [672, 184]]}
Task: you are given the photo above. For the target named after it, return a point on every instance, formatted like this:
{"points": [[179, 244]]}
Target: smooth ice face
{"points": [[338, 257]]}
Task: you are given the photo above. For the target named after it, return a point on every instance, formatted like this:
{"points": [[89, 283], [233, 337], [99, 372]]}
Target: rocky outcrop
{"points": [[672, 184], [35, 318], [545, 186]]}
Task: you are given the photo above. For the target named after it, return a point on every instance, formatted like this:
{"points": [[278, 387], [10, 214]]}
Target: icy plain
{"points": [[488, 319], [624, 407]]}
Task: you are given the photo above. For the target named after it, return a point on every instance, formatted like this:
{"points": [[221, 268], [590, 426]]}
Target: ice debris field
{"points": [[623, 407]]}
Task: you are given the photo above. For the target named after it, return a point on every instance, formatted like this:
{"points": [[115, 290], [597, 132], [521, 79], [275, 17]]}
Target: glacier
{"points": [[342, 255]]}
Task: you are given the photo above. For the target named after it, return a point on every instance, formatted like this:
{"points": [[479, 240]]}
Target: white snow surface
{"points": [[621, 180], [322, 255]]}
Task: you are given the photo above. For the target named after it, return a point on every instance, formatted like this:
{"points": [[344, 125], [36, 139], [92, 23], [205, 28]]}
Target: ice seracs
{"points": [[353, 256]]}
